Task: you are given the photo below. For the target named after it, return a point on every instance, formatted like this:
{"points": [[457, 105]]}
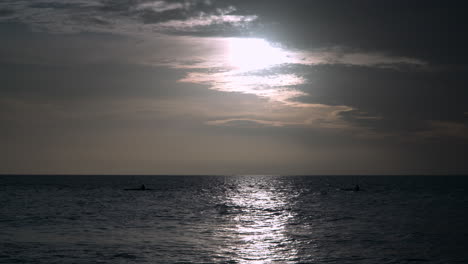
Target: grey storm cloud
{"points": [[176, 17]]}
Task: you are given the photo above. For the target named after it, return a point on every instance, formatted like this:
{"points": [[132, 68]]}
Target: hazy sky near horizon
{"points": [[233, 87]]}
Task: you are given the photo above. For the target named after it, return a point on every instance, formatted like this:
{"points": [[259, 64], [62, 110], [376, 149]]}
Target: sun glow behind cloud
{"points": [[244, 61], [248, 54], [253, 66]]}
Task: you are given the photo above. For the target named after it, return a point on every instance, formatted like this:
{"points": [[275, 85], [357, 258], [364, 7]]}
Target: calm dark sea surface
{"points": [[233, 219]]}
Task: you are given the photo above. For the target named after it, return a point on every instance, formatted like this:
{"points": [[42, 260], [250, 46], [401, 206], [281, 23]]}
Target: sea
{"points": [[233, 219]]}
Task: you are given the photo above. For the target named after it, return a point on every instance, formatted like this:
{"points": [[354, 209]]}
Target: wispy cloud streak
{"points": [[123, 17]]}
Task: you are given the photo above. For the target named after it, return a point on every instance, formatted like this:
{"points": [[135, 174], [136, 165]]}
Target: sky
{"points": [[233, 87]]}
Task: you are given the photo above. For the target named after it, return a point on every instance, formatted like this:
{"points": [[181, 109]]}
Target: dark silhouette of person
{"points": [[143, 187], [356, 188]]}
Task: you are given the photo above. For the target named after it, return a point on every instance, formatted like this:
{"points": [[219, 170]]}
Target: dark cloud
{"points": [[389, 82], [198, 18], [54, 5], [430, 30], [427, 30], [402, 100], [149, 16], [6, 12], [153, 12]]}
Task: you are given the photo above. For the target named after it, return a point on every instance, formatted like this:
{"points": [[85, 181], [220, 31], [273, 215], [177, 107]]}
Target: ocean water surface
{"points": [[233, 219]]}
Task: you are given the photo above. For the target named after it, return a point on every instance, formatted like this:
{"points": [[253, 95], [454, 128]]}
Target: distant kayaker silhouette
{"points": [[356, 188], [142, 188]]}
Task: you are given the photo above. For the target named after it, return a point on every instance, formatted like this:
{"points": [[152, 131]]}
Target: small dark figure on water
{"points": [[143, 187], [356, 188]]}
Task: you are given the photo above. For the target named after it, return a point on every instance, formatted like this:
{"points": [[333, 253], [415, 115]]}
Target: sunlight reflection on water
{"points": [[260, 224], [232, 220]]}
